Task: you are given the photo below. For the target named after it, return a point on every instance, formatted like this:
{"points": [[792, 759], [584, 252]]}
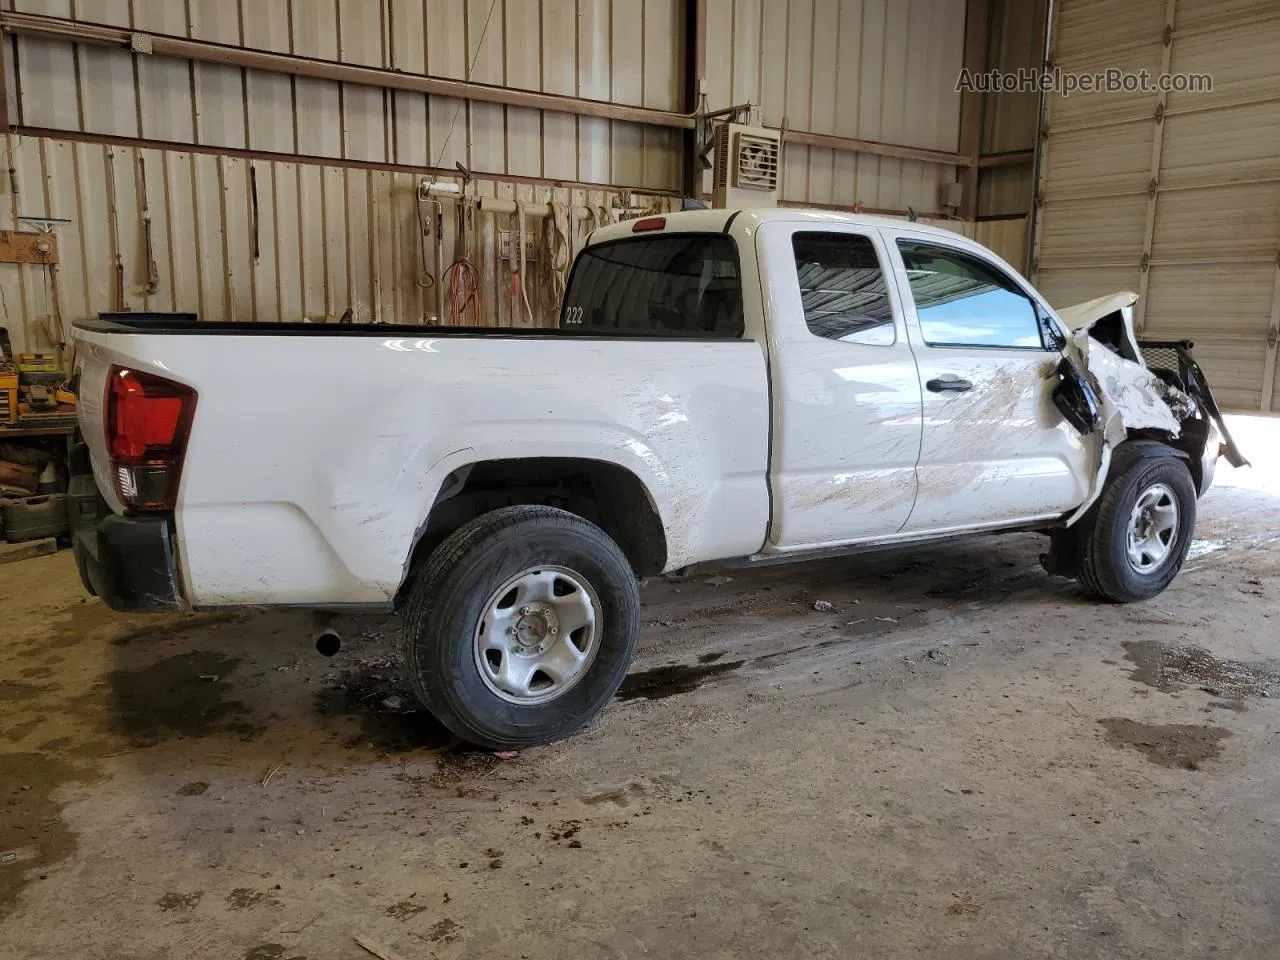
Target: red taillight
{"points": [[648, 224], [148, 419]]}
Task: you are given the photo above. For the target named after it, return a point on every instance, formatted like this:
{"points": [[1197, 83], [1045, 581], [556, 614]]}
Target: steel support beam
{"points": [[977, 19], [57, 28], [70, 31]]}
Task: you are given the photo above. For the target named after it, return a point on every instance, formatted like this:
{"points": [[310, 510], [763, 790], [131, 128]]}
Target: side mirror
{"points": [[1075, 399]]}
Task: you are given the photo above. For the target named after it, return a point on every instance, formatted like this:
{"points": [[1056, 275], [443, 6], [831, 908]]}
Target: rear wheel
{"points": [[521, 627], [1141, 531]]}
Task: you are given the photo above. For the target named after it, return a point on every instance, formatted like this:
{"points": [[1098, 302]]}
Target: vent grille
{"points": [[757, 162], [720, 176]]}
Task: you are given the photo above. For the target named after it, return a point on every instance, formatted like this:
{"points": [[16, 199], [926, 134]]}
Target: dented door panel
{"points": [[997, 452]]}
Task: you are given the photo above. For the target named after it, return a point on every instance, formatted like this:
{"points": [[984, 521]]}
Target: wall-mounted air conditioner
{"points": [[745, 166]]}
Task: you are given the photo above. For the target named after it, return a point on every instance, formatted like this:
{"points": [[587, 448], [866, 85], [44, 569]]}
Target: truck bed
{"points": [[313, 462]]}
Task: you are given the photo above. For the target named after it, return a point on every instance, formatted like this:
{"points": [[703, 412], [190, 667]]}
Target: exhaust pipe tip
{"points": [[328, 643]]}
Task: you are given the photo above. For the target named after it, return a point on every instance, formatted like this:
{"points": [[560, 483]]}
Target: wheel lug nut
{"points": [[524, 611]]}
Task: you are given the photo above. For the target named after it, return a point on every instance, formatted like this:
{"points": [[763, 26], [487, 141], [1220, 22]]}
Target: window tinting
{"points": [[683, 284], [962, 302], [842, 288]]}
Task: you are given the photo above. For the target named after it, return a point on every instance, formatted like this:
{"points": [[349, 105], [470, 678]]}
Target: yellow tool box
{"points": [[8, 393], [38, 363]]}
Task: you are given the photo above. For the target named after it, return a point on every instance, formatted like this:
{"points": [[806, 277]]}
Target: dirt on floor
{"points": [[939, 752]]}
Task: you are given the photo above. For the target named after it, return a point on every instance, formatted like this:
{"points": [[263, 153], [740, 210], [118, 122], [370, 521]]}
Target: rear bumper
{"points": [[129, 563]]}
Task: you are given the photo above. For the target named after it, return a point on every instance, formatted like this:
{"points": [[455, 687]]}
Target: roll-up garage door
{"points": [[1175, 195]]}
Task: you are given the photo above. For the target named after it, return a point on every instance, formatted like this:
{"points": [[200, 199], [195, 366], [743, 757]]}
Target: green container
{"points": [[36, 517]]}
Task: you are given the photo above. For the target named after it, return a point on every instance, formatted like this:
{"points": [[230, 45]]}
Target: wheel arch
{"points": [[605, 493]]}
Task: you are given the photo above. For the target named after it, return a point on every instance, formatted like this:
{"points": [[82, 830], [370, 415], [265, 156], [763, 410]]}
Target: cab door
{"points": [[994, 450], [846, 397]]}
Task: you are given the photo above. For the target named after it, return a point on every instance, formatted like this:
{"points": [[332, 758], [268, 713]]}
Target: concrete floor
{"points": [[963, 759]]}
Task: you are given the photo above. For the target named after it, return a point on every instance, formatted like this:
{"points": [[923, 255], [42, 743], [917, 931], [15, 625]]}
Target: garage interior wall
{"points": [[255, 195], [1010, 120], [1177, 196], [266, 193], [1010, 123], [866, 69]]}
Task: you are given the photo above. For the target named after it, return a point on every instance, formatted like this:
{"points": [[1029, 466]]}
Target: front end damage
{"points": [[1116, 389]]}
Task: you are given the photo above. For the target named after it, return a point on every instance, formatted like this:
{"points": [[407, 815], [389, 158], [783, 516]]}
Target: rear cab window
{"points": [[842, 288], [672, 285]]}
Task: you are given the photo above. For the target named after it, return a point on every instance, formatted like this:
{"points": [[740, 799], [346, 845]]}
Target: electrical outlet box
{"points": [[508, 241]]}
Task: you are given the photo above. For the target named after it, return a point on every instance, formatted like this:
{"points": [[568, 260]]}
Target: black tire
{"points": [[447, 601], [1105, 568]]}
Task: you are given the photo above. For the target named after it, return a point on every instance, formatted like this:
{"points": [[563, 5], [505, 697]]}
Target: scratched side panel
{"points": [[346, 535]]}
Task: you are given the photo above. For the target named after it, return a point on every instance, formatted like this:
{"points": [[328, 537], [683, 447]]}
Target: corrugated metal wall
{"points": [[233, 191], [1010, 119], [1183, 207], [622, 52], [310, 234], [234, 238], [870, 69]]}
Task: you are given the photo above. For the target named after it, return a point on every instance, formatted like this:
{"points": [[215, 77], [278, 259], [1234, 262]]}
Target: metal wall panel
{"points": [[1016, 43], [241, 239], [1176, 197], [1004, 191], [869, 69], [625, 51], [1008, 238]]}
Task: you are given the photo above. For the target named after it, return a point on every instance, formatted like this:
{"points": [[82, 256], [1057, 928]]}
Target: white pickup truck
{"points": [[748, 385]]}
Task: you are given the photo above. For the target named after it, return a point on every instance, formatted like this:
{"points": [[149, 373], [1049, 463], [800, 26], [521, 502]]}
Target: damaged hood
{"points": [[1081, 316], [1105, 344]]}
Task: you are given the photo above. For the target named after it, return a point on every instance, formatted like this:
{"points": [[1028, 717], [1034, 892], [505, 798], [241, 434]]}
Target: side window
{"points": [[963, 302], [843, 288]]}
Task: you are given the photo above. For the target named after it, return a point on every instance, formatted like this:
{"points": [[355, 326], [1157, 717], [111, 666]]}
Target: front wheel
{"points": [[1141, 532], [521, 627]]}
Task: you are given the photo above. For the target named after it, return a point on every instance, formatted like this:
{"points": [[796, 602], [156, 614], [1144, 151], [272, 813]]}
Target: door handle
{"points": [[949, 382]]}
